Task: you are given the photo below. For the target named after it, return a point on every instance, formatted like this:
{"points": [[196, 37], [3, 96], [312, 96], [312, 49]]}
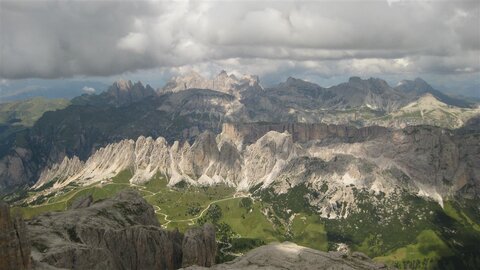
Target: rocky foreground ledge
{"points": [[118, 233], [123, 233], [290, 256]]}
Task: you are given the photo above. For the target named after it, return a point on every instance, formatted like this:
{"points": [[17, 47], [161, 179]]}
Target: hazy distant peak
{"points": [[291, 81], [373, 84], [122, 84], [224, 74], [124, 92], [354, 79], [371, 80], [422, 83]]}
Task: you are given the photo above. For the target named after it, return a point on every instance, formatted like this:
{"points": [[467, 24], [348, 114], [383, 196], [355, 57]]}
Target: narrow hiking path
{"points": [[191, 220], [227, 247]]}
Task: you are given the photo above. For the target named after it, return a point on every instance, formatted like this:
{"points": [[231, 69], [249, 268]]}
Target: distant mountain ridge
{"points": [[418, 86], [128, 110], [121, 92]]}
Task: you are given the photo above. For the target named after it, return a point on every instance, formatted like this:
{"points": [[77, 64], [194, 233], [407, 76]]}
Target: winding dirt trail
{"points": [[158, 210], [191, 220]]}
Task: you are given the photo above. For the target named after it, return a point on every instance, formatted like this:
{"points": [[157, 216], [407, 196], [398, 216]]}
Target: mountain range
{"points": [[128, 110], [358, 160]]}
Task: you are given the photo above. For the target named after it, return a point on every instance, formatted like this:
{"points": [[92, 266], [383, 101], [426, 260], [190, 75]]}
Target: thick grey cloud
{"points": [[52, 39]]}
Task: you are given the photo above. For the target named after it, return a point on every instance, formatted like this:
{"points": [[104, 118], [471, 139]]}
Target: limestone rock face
{"points": [[67, 168], [118, 233], [223, 82], [14, 243], [428, 161], [291, 256], [16, 168], [301, 132], [124, 92], [199, 246]]}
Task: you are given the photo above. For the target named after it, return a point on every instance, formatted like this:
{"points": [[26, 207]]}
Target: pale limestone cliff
{"points": [[431, 162]]}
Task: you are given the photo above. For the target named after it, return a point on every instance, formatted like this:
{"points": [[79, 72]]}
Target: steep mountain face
{"points": [[81, 129], [14, 243], [118, 233], [427, 161], [17, 168], [301, 132], [373, 93], [120, 93], [223, 82], [124, 92], [299, 101], [419, 87]]}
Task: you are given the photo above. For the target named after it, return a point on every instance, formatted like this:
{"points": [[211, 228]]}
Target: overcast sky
{"points": [[309, 39]]}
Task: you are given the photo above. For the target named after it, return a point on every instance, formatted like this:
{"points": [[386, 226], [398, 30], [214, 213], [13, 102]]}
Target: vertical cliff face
{"points": [[16, 169], [125, 92], [301, 132], [199, 246], [14, 244]]}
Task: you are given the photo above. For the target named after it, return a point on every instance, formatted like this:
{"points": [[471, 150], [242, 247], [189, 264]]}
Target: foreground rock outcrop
{"points": [[118, 233], [291, 256], [14, 244]]}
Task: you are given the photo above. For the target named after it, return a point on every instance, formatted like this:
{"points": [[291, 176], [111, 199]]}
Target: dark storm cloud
{"points": [[51, 39]]}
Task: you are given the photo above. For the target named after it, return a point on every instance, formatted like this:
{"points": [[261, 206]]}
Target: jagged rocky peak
{"points": [[124, 92], [223, 82], [371, 83], [122, 85]]}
